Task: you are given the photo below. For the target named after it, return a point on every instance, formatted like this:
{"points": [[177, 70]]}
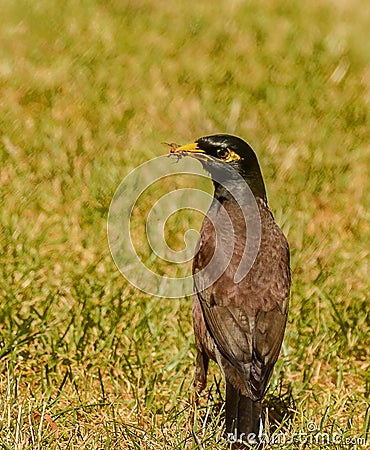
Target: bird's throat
{"points": [[228, 190]]}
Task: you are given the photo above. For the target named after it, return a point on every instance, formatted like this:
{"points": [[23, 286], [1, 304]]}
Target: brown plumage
{"points": [[238, 323]]}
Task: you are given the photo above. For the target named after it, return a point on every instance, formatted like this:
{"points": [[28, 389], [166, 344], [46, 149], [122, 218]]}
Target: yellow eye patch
{"points": [[232, 156]]}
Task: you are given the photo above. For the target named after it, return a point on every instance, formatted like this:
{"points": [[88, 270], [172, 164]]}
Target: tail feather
{"points": [[243, 415]]}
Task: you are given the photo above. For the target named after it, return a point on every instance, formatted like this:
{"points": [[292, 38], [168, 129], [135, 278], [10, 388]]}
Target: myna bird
{"points": [[239, 318]]}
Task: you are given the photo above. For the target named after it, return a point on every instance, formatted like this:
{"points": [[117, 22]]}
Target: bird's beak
{"points": [[192, 150], [189, 148]]}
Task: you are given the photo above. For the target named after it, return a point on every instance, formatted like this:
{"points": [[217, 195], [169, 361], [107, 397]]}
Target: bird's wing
{"points": [[247, 320], [250, 343]]}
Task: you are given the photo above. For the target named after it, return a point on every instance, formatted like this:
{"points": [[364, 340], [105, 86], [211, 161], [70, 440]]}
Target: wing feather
{"points": [[247, 320]]}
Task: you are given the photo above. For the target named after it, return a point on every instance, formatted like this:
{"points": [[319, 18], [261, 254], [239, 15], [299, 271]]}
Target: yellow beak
{"points": [[191, 148]]}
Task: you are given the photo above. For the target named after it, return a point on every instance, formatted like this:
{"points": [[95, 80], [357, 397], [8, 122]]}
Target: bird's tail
{"points": [[243, 416]]}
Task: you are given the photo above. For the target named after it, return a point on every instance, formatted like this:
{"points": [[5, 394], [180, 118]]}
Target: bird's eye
{"points": [[223, 153]]}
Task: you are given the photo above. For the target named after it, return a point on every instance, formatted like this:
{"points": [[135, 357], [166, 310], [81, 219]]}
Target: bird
{"points": [[241, 273]]}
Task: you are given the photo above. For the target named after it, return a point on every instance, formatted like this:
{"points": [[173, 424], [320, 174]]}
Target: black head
{"points": [[231, 150]]}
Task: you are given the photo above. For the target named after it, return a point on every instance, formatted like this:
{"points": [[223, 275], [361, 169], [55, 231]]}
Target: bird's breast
{"points": [[228, 237]]}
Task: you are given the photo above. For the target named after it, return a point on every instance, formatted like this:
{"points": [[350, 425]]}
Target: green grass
{"points": [[88, 91]]}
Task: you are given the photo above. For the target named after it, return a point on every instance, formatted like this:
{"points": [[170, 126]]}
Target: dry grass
{"points": [[88, 90]]}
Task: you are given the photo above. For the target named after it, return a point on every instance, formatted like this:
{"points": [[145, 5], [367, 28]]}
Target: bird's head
{"points": [[227, 154]]}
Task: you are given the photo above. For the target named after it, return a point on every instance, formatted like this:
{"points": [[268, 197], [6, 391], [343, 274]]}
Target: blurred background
{"points": [[91, 89]]}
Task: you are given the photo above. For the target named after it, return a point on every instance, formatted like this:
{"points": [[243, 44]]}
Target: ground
{"points": [[88, 91]]}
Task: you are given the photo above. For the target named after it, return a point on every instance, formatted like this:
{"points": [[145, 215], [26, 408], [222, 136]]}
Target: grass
{"points": [[88, 91]]}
